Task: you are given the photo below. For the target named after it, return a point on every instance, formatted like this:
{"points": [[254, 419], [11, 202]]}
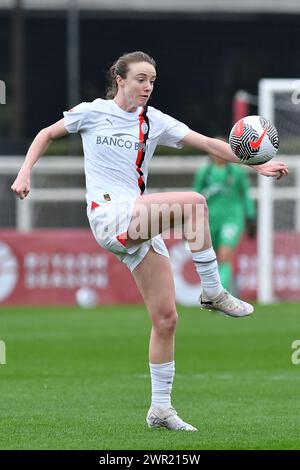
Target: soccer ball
{"points": [[254, 140], [86, 297]]}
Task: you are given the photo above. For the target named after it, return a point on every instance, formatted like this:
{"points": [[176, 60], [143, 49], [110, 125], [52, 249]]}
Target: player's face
{"points": [[137, 87]]}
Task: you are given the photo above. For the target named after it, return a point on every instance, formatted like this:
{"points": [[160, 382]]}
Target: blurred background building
{"points": [[206, 50]]}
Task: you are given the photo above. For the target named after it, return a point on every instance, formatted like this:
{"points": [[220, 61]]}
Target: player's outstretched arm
{"points": [[222, 150], [21, 185], [215, 147]]}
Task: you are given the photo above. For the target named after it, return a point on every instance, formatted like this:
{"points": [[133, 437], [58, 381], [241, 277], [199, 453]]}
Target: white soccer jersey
{"points": [[118, 145]]}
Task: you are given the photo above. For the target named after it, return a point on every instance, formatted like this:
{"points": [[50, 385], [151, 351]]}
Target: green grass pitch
{"points": [[78, 379]]}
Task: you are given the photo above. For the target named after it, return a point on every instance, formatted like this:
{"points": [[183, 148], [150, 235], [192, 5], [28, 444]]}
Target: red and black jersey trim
{"points": [[143, 137]]}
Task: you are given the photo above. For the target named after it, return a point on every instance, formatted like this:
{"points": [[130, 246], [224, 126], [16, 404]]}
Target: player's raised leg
{"points": [[154, 279], [156, 213]]}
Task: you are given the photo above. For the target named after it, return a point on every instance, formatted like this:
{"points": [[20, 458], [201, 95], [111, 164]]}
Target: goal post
{"points": [[278, 101]]}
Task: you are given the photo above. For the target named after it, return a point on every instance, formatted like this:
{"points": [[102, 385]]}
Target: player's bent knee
{"points": [[197, 200]]}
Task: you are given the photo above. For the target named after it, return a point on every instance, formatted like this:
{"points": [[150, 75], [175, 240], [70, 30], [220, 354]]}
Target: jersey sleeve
{"points": [[173, 132], [76, 119]]}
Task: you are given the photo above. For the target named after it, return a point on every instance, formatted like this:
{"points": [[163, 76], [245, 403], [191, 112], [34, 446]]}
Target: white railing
{"points": [[159, 165]]}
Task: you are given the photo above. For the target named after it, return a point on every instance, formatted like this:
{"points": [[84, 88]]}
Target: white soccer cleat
{"points": [[226, 304], [167, 418]]}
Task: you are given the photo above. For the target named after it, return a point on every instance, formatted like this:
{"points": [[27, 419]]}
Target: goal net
{"points": [[278, 260]]}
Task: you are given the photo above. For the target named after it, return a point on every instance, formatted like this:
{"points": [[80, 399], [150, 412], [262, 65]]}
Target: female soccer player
{"points": [[119, 137]]}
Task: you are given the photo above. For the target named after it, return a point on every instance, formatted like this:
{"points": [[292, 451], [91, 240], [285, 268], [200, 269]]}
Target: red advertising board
{"points": [[286, 266], [49, 266]]}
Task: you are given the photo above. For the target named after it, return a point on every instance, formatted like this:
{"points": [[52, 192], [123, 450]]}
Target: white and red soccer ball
{"points": [[254, 140]]}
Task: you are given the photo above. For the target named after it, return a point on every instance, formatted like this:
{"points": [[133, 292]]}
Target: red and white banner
{"points": [[286, 267], [47, 267]]}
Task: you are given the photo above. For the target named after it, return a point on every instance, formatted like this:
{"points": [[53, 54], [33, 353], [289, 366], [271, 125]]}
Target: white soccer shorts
{"points": [[109, 222]]}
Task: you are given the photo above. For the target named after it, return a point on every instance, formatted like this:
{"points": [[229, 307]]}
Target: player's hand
{"points": [[21, 185], [274, 169]]}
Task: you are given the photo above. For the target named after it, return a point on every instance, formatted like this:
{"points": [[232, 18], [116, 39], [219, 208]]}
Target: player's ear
{"points": [[119, 80]]}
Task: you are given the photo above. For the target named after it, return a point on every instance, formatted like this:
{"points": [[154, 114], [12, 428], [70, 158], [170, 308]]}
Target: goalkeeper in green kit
{"points": [[231, 209]]}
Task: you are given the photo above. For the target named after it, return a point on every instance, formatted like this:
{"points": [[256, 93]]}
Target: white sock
{"points": [[207, 267], [162, 376]]}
